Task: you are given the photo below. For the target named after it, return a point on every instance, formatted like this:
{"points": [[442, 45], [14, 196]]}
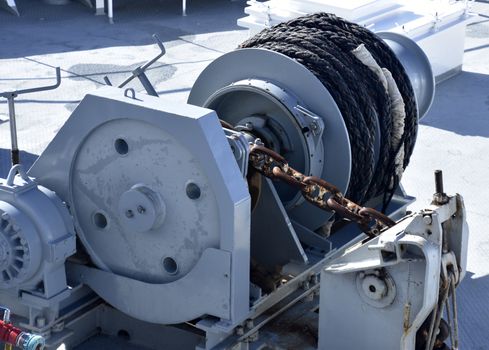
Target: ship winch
{"points": [[279, 178]]}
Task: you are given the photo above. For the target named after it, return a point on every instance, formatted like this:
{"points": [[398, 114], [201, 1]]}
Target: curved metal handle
{"points": [[43, 88], [141, 69], [11, 94], [17, 169]]}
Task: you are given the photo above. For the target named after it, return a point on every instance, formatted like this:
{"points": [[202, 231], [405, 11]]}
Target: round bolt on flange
{"points": [[141, 209], [239, 330], [40, 322], [427, 219], [250, 324], [376, 288]]}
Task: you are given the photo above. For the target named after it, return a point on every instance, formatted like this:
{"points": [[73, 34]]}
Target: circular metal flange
{"points": [[271, 113], [376, 289], [141, 209], [289, 75], [142, 202], [417, 66]]}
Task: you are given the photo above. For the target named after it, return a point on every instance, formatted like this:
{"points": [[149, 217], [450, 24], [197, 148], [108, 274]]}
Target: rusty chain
{"points": [[317, 191]]}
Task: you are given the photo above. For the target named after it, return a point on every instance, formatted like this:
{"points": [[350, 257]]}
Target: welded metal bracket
{"points": [[211, 275]]}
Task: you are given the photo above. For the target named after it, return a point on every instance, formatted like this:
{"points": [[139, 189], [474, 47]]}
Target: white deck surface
{"points": [[453, 137]]}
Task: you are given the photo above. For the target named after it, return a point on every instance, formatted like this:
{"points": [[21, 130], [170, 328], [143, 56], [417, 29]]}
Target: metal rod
{"points": [[13, 131], [10, 96], [107, 81], [147, 84], [438, 313], [449, 321], [184, 7], [36, 89], [438, 181], [110, 11], [455, 315], [138, 71]]}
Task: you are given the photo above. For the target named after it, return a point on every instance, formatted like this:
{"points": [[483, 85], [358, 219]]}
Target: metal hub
{"points": [[273, 115], [376, 289], [256, 82], [141, 209]]}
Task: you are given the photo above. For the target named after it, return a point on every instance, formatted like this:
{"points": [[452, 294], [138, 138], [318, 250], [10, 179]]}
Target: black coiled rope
{"points": [[324, 43]]}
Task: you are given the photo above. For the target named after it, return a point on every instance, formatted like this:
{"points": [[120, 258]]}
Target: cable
{"points": [[323, 43]]}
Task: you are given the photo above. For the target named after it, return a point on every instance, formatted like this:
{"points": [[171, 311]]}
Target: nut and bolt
{"points": [[427, 219], [239, 330], [253, 337], [250, 324], [58, 327], [140, 209], [40, 322], [439, 197]]}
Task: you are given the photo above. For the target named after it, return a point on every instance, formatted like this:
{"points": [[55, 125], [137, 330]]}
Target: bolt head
{"points": [[40, 322], [239, 330], [374, 287], [427, 219]]}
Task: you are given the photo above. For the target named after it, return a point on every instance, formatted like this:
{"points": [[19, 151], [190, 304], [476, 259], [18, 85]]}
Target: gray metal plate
{"points": [[292, 76]]}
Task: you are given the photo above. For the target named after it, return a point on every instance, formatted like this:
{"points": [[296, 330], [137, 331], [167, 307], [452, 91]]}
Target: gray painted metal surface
{"points": [[240, 64], [271, 227], [391, 283], [113, 143]]}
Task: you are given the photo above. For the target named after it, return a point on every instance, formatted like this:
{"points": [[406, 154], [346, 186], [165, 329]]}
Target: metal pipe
{"points": [[110, 11], [13, 131], [10, 96], [439, 181]]}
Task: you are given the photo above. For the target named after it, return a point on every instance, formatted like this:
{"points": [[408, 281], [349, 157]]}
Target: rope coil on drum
{"points": [[325, 45]]}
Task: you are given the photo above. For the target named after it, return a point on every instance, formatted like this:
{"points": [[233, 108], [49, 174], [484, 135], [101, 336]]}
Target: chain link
{"points": [[317, 191]]}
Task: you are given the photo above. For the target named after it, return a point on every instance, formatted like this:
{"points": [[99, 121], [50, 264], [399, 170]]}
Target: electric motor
{"points": [[36, 235]]}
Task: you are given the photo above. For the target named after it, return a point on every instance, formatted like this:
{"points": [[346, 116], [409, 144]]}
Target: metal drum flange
{"points": [[417, 66], [290, 76]]}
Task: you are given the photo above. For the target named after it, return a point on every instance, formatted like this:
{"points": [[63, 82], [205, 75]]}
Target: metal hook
{"points": [[130, 90]]}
